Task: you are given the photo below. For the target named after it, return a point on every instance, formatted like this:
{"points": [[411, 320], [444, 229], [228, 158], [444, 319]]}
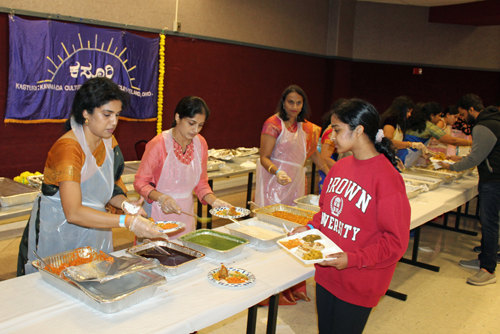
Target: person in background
{"points": [[459, 129], [365, 211], [287, 140], [174, 165], [394, 123], [81, 176], [485, 154], [434, 111], [421, 129], [327, 147]]}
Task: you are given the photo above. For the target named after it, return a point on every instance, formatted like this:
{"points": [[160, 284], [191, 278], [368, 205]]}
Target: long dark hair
{"points": [[305, 104], [418, 119], [356, 112], [189, 106], [398, 109], [95, 93]]}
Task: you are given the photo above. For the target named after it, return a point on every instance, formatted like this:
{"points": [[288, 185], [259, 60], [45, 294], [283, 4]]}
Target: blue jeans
{"points": [[489, 194]]}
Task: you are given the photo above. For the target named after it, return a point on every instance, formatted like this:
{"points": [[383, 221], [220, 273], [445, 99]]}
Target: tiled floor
{"points": [[438, 302]]}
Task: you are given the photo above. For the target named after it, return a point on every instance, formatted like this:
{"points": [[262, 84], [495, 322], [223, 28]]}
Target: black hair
{"points": [[189, 106], [398, 109], [470, 101], [451, 109], [326, 120], [356, 112], [418, 119], [95, 93], [431, 109], [301, 117]]}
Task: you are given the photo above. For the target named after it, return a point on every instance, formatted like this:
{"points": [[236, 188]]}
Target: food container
{"points": [[110, 297], [133, 164], [265, 214], [308, 202], [128, 175], [241, 159], [170, 269], [443, 173], [431, 173], [256, 240], [431, 182], [217, 245], [15, 193], [35, 181], [412, 191], [229, 154], [214, 165]]}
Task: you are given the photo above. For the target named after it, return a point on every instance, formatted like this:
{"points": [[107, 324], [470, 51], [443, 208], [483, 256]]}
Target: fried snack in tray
{"points": [[291, 217], [77, 260]]}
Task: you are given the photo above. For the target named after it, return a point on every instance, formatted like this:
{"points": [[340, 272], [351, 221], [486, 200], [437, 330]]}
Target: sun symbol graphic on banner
{"points": [[87, 71]]}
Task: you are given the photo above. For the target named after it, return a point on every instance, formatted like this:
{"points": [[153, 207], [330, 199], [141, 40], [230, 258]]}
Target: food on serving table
{"points": [[292, 243], [439, 156], [174, 259], [78, 260], [311, 237], [166, 226], [291, 217], [259, 232], [232, 277], [231, 212], [214, 242]]}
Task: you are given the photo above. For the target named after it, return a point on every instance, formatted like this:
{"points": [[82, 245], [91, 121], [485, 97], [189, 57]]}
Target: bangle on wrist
{"points": [[310, 227], [269, 169], [122, 220], [276, 173], [322, 166]]}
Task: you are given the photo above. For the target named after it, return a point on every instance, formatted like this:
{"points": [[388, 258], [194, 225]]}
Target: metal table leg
{"points": [[413, 261], [249, 189], [252, 320], [272, 315]]}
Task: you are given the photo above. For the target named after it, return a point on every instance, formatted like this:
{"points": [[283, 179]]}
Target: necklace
{"points": [[183, 148]]}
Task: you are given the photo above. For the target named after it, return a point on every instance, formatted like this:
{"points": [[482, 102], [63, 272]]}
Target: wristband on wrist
{"points": [[122, 220], [277, 172], [310, 226]]}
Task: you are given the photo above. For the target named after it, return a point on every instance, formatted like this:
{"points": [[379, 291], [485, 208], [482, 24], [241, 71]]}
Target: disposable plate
{"points": [[173, 229], [222, 212], [251, 278], [330, 246]]}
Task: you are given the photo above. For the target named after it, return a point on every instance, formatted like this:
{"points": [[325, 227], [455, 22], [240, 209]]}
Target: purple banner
{"points": [[50, 60]]}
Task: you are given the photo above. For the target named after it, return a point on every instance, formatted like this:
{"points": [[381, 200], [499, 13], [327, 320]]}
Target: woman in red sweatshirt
{"points": [[365, 211]]}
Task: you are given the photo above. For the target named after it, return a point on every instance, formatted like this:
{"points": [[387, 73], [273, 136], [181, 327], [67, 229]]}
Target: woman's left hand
{"points": [[133, 207], [337, 260]]}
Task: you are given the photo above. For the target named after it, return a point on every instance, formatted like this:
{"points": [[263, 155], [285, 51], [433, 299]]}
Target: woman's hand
{"points": [[144, 228], [218, 203], [297, 230], [337, 260], [283, 178], [133, 207], [418, 145], [168, 204]]}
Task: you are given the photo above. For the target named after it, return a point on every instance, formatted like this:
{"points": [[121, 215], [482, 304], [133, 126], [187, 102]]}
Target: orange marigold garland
{"points": [[161, 77]]}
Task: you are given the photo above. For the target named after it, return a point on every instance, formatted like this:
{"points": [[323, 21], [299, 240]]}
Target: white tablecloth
{"points": [[187, 302]]}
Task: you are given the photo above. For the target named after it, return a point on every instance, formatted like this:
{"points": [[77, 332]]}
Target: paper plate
{"points": [[251, 278], [330, 246], [173, 229], [222, 212]]}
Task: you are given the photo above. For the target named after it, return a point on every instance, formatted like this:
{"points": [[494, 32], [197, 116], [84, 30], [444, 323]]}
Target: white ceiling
{"points": [[425, 3]]}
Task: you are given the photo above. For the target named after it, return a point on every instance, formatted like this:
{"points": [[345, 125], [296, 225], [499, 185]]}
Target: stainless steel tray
{"points": [[133, 164], [412, 191], [210, 251], [128, 175], [416, 179], [432, 173], [265, 214], [170, 270], [309, 202], [109, 297], [213, 165], [15, 193], [35, 181], [235, 230], [228, 154]]}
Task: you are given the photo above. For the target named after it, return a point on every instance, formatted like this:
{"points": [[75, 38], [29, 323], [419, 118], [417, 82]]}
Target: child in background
{"points": [[365, 211]]}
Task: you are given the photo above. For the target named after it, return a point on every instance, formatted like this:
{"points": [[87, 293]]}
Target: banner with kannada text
{"points": [[50, 60]]}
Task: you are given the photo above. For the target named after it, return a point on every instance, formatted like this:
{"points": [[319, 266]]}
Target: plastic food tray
{"points": [[412, 191], [211, 252], [15, 193], [308, 202], [431, 182], [109, 297], [170, 270], [265, 214], [255, 241]]}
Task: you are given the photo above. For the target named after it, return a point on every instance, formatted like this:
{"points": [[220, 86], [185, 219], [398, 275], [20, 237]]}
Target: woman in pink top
{"points": [[174, 165]]}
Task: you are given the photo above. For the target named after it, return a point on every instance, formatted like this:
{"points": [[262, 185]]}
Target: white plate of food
{"points": [[435, 162], [312, 249], [169, 226], [232, 212], [231, 277]]}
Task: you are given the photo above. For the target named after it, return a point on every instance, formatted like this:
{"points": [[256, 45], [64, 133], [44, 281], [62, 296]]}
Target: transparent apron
{"points": [[289, 155], [178, 181], [56, 233]]}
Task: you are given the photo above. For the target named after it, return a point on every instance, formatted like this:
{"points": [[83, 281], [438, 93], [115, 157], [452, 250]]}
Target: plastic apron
{"points": [[178, 181], [409, 156], [289, 155], [56, 233]]}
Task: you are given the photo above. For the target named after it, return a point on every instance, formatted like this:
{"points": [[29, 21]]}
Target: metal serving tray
{"points": [[128, 175], [412, 191], [15, 193], [212, 252], [110, 297], [213, 165], [446, 174], [308, 202], [170, 270], [431, 182], [265, 214], [133, 164], [431, 173], [235, 230]]}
